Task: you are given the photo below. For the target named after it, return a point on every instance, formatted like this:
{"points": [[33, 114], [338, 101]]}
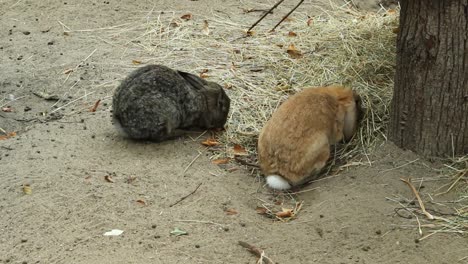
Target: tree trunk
{"points": [[429, 111]]}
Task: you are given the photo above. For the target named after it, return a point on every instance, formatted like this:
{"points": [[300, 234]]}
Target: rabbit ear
{"points": [[350, 122], [194, 80]]}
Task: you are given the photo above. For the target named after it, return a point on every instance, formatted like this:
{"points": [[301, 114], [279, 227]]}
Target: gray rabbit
{"points": [[158, 103]]}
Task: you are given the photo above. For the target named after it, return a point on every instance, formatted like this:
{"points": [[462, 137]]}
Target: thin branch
{"points": [[257, 252], [264, 15], [286, 16], [185, 197]]}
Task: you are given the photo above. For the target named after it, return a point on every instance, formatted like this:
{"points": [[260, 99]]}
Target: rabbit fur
{"points": [[158, 103], [294, 145]]}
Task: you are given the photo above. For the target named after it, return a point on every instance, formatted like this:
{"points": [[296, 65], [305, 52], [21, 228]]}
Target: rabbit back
{"points": [[151, 103], [295, 142]]}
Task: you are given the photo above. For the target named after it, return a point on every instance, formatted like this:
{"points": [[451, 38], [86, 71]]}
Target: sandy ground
{"points": [[66, 155]]}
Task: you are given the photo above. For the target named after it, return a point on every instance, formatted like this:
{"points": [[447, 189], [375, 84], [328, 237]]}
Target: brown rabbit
{"points": [[294, 145]]}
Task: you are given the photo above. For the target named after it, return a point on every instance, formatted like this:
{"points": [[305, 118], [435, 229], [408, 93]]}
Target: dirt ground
{"points": [[66, 154]]}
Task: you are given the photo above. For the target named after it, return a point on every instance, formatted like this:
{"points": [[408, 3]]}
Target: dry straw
{"points": [[340, 46]]}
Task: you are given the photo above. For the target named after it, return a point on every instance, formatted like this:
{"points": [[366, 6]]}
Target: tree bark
{"points": [[429, 110]]}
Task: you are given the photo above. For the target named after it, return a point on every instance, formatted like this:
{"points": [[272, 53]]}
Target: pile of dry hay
{"points": [[260, 71]]}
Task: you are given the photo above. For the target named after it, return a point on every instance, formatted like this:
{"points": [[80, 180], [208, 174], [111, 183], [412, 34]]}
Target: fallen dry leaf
{"points": [[187, 16], [95, 106], [250, 33], [396, 30], [231, 211], [27, 189], [221, 161], [210, 142], [391, 11], [292, 34], [285, 213], [136, 62], [239, 150], [293, 52], [108, 178], [204, 74], [261, 210], [68, 71], [8, 135], [206, 29], [310, 21], [140, 201], [7, 109]]}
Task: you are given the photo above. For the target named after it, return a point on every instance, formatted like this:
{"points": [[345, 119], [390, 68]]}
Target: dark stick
{"points": [[286, 16], [271, 9], [185, 197], [256, 251]]}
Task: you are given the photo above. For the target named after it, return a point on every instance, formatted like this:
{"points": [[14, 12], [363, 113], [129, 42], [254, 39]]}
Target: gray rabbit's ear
{"points": [[197, 82]]}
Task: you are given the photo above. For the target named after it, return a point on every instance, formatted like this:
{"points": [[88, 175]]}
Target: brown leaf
{"points": [[206, 29], [7, 109], [310, 21], [396, 30], [239, 150], [293, 52], [68, 71], [261, 210], [231, 211], [392, 12], [285, 213], [108, 178], [136, 62], [221, 161], [95, 106], [187, 16], [204, 74], [292, 34], [210, 142], [8, 135], [140, 201]]}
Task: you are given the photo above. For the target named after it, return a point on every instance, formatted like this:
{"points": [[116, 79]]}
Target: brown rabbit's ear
{"points": [[350, 122], [197, 82]]}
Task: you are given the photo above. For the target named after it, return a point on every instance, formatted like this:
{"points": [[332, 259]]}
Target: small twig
{"points": [[71, 102], [286, 16], [257, 252], [185, 197], [190, 164], [415, 192], [3, 131], [95, 106], [401, 166], [462, 174], [264, 15]]}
